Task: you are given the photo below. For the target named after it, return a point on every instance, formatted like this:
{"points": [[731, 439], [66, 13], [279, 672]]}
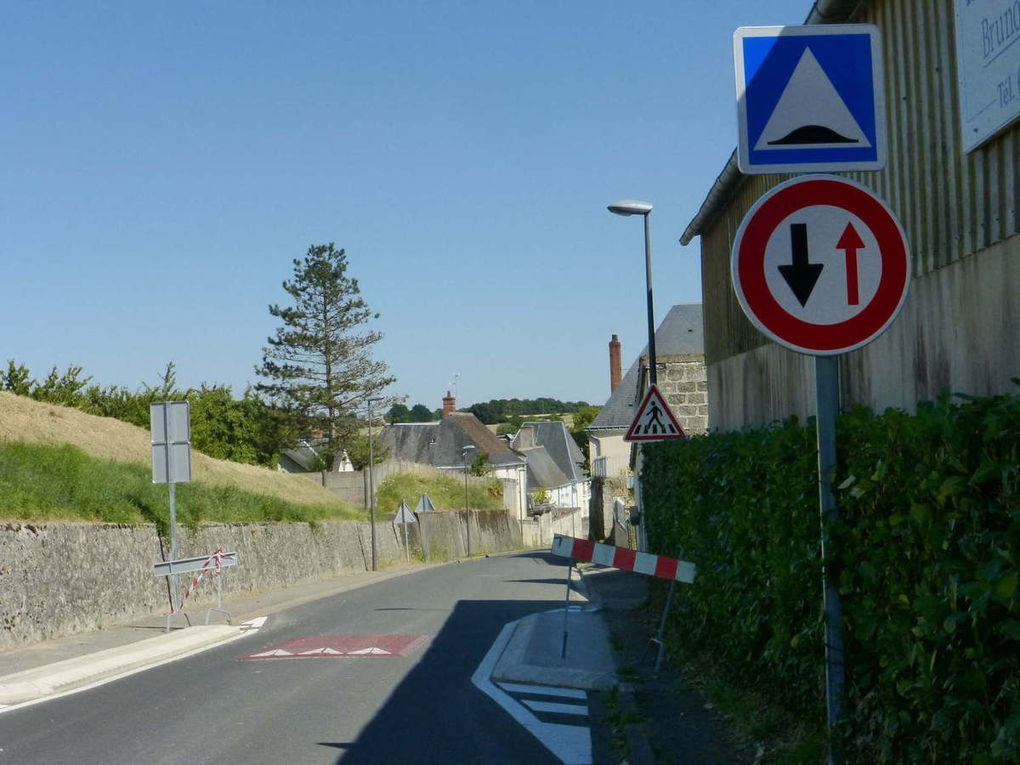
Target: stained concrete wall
{"points": [[59, 579], [538, 531]]}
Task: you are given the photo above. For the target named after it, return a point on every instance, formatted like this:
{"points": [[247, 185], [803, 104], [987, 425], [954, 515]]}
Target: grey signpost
{"points": [[170, 425], [799, 279], [371, 483], [465, 451]]}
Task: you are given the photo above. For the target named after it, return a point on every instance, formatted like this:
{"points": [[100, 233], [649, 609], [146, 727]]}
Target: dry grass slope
{"points": [[27, 421]]}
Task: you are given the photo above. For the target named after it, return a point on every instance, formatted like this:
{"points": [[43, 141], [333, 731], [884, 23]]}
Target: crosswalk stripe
{"points": [[549, 706], [543, 690]]}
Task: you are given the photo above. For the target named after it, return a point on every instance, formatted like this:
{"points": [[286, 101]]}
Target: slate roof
{"points": [[542, 469], [560, 445], [441, 444], [681, 332]]}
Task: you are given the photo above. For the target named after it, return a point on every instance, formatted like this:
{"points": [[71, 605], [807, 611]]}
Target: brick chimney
{"points": [[614, 363], [449, 404]]}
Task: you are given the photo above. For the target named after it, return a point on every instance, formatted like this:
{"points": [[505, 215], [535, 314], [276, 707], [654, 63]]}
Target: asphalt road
{"points": [[217, 707]]}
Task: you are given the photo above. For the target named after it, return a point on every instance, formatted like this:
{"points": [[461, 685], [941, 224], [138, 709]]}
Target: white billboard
{"points": [[988, 67]]}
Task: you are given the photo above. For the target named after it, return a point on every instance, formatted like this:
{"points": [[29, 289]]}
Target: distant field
{"points": [[120, 453]]}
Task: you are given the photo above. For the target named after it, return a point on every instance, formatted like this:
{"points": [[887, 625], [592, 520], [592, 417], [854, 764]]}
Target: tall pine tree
{"points": [[319, 366]]}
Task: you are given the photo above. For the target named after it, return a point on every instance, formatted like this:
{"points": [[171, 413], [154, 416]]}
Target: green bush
{"points": [[925, 554]]}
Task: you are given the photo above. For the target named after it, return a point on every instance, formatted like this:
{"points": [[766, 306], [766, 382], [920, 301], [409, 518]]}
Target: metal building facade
{"points": [[960, 328]]}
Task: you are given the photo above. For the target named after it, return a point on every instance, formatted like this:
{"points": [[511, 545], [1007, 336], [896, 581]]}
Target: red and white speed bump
{"points": [[341, 647]]}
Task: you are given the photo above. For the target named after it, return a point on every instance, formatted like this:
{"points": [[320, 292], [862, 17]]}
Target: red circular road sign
{"points": [[821, 265]]}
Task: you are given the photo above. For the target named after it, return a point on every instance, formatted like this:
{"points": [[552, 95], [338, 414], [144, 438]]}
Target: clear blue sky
{"points": [[164, 163]]}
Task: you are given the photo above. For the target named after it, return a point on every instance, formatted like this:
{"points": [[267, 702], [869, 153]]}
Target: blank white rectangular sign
{"points": [[170, 422], [987, 67], [180, 463]]}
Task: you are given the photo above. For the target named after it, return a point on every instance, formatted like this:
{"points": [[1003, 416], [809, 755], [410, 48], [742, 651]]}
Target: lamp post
{"points": [[467, 516], [629, 207], [371, 481]]}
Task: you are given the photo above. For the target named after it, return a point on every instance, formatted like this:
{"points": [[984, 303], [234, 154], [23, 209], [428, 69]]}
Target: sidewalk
{"points": [[69, 663]]}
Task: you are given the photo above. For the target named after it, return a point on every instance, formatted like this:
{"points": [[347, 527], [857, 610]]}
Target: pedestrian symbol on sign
{"points": [[654, 420]]}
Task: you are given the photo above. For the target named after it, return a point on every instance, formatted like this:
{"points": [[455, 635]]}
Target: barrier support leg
{"points": [[566, 610]]}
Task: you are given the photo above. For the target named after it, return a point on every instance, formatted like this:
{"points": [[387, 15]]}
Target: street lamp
{"points": [[371, 481], [629, 207], [465, 452]]}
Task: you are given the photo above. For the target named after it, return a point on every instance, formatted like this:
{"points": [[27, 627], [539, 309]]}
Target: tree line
{"points": [[502, 410]]}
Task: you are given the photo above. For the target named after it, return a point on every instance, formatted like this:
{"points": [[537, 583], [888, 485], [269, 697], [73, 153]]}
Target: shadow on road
{"points": [[436, 715]]}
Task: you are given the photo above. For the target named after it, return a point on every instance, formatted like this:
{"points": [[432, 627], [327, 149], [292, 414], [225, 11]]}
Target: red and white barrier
{"points": [[217, 559], [623, 558]]}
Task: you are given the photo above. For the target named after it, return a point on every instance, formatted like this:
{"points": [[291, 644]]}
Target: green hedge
{"points": [[926, 554]]}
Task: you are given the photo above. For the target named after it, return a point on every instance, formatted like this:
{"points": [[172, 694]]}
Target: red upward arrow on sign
{"points": [[654, 421], [850, 243]]}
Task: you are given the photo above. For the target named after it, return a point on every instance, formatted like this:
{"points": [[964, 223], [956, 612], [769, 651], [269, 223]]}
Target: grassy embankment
{"points": [[58, 463], [61, 482], [447, 493]]}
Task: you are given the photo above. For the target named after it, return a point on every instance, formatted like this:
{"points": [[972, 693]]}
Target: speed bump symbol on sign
{"points": [[821, 265]]}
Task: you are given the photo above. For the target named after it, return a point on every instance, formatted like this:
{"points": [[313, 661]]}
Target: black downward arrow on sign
{"points": [[801, 275]]}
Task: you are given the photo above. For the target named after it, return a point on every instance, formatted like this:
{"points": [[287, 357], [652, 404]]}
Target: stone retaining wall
{"points": [[61, 578]]}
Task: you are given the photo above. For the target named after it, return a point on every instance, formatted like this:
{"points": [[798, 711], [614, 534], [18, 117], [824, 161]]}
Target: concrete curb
{"points": [[71, 674], [532, 654]]}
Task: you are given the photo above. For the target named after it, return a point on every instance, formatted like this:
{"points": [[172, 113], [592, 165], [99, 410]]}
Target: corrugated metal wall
{"points": [[951, 204]]}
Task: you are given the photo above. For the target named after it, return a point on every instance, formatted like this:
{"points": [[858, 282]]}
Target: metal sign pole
{"points": [[371, 483], [660, 638], [174, 594], [827, 391]]}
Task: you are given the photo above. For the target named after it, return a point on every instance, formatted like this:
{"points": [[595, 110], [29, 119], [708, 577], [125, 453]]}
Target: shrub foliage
{"points": [[925, 554]]}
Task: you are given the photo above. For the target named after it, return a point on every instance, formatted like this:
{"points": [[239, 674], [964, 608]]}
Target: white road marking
{"points": [[570, 743], [543, 690], [549, 706], [249, 627]]}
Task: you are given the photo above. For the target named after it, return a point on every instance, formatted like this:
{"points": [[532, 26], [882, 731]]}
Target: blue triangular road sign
{"points": [[809, 98]]}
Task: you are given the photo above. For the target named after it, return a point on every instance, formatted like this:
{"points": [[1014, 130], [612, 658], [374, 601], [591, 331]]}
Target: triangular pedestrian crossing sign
{"points": [[654, 420], [404, 515], [425, 504]]}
